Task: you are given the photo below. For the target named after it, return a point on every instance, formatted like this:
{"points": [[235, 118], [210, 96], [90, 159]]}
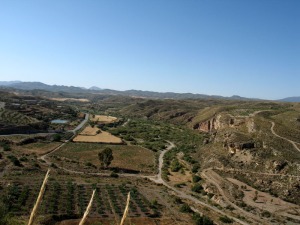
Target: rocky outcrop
{"points": [[210, 125], [238, 146], [233, 122]]}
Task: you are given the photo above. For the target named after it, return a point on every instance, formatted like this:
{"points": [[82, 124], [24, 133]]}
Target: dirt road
{"points": [[292, 142], [216, 180], [158, 179]]}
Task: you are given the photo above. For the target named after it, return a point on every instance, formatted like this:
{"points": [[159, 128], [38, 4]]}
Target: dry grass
{"points": [[39, 199], [103, 137], [70, 99], [263, 199], [38, 148], [90, 131], [91, 134], [103, 119], [140, 159]]}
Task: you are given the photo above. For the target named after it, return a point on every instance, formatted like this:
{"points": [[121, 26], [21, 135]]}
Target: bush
{"points": [[197, 188], [226, 219], [53, 165], [179, 185], [196, 178], [175, 166], [90, 164], [177, 200], [14, 160], [210, 195], [202, 220], [23, 159], [56, 137], [5, 146], [195, 168], [114, 175], [266, 214], [185, 208]]}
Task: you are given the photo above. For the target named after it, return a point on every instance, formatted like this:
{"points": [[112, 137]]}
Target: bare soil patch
{"points": [[103, 119], [264, 200], [70, 99], [38, 148], [136, 221], [179, 177], [95, 135], [90, 131]]}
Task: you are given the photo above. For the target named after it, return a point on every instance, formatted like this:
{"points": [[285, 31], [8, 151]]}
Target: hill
{"points": [[290, 99], [131, 93]]}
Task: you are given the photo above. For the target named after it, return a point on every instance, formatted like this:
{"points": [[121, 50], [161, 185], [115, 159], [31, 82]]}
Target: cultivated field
{"points": [[103, 119], [90, 131], [140, 158], [70, 99], [38, 148], [95, 135]]}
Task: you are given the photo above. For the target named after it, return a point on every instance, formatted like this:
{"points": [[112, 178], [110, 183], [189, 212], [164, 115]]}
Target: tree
{"points": [[105, 157], [56, 137], [175, 166]]}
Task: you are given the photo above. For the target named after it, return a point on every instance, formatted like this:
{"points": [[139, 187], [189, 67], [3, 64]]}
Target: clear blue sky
{"points": [[223, 47]]}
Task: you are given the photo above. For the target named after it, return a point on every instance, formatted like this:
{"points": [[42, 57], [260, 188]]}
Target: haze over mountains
{"points": [[134, 93]]}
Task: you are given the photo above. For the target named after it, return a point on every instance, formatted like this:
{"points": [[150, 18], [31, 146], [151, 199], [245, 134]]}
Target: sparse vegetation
{"points": [[147, 127], [225, 219]]}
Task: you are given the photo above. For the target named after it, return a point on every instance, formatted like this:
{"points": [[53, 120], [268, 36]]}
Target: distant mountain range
{"points": [[133, 93], [290, 99], [8, 83]]}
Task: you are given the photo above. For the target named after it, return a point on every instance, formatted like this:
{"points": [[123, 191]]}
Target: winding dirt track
{"points": [[292, 142], [214, 178], [210, 177], [157, 179]]}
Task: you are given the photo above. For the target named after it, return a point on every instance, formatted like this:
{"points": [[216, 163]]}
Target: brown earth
{"points": [[70, 99], [95, 135], [103, 119], [136, 221]]}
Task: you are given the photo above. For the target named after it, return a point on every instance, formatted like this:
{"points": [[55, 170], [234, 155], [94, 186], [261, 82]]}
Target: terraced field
{"points": [[70, 199], [13, 117]]}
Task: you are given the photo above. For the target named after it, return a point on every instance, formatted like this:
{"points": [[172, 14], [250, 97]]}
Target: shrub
{"points": [[14, 160], [5, 146], [56, 137], [195, 168], [114, 175], [23, 159], [266, 214], [177, 200], [196, 178], [185, 208], [175, 166], [179, 185], [197, 188], [226, 219], [201, 220]]}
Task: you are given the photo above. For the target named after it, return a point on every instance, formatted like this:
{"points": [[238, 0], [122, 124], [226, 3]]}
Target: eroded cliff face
{"points": [[222, 121], [233, 147], [210, 125], [230, 131]]}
